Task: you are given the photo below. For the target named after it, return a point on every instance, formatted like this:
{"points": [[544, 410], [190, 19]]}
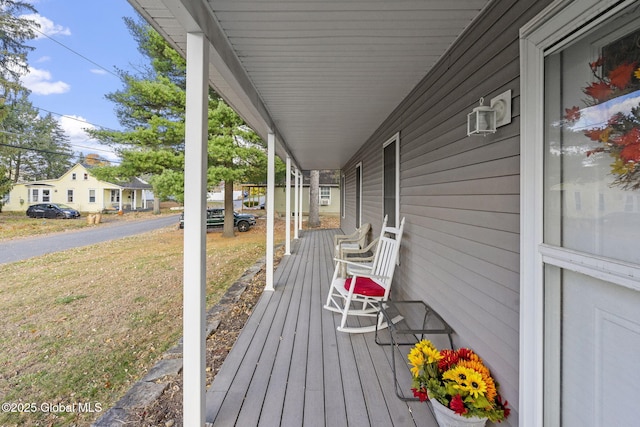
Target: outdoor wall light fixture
{"points": [[485, 119]]}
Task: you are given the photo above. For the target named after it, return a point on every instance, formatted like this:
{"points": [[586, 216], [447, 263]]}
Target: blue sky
{"points": [[71, 75]]}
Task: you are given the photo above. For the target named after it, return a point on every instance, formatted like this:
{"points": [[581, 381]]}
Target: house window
{"points": [[73, 176], [115, 196], [92, 196], [86, 176], [35, 193], [46, 195], [391, 179], [325, 196], [69, 196]]}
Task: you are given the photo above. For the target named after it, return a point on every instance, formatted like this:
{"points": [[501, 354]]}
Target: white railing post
{"points": [[287, 238], [271, 175], [195, 244], [296, 205]]}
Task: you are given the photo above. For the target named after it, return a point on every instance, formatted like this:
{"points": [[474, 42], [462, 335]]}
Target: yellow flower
{"points": [[432, 354], [491, 392], [475, 384], [417, 360], [457, 374], [637, 73]]}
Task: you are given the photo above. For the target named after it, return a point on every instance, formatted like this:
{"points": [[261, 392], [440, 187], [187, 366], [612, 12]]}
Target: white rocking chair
{"points": [[365, 285]]}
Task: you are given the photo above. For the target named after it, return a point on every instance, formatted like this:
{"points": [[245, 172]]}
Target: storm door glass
{"points": [[592, 227]]}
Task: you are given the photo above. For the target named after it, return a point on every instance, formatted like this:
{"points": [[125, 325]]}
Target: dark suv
{"points": [[215, 218]]}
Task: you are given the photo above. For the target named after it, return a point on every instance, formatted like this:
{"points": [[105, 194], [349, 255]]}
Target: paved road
{"points": [[19, 249]]}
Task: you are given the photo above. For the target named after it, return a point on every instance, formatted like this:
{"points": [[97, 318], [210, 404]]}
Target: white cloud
{"points": [[47, 27], [98, 71], [43, 59], [74, 127], [39, 82]]}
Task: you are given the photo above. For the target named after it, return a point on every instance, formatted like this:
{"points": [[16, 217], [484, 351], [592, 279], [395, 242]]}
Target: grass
{"points": [[81, 326]]}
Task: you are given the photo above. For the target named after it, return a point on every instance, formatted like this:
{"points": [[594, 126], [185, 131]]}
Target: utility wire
{"points": [[77, 53]]}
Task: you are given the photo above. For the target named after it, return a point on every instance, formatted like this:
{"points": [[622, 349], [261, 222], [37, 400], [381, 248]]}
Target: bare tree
{"points": [[314, 198]]}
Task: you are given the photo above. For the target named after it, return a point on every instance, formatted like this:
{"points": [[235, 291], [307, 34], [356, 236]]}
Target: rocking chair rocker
{"points": [[365, 285]]}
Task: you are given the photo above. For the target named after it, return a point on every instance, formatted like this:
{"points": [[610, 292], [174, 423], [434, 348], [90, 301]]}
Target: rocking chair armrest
{"points": [[355, 264]]}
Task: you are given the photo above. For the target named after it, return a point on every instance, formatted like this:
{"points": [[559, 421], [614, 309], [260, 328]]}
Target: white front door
{"points": [[585, 192]]}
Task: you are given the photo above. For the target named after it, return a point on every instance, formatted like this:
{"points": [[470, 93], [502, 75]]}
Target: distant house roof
{"points": [[327, 177], [133, 184]]}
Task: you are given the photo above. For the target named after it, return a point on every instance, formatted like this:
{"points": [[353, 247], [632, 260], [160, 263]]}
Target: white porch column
{"points": [[120, 199], [195, 244], [300, 187], [271, 177], [296, 205], [287, 209]]}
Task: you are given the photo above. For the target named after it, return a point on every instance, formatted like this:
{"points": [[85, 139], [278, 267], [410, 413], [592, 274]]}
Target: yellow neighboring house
{"points": [[82, 191]]}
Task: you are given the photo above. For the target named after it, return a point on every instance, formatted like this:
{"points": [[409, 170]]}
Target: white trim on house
{"points": [[559, 24], [394, 139], [358, 183]]}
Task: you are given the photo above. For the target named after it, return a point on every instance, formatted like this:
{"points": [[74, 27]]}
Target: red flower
{"points": [[503, 405], [457, 405], [600, 91], [572, 114], [631, 153], [420, 394], [465, 353], [621, 76], [449, 358]]}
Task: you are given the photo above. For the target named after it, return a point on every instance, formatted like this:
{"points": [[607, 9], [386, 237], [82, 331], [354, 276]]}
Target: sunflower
{"points": [[416, 359], [429, 350], [479, 367], [459, 375], [475, 384]]}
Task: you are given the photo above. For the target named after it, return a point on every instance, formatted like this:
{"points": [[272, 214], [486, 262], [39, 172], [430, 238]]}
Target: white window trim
{"points": [[556, 26], [343, 195], [395, 138]]}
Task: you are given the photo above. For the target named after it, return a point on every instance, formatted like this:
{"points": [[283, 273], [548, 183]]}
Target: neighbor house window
{"points": [[115, 196], [46, 195], [35, 195], [325, 196], [73, 176], [391, 179], [86, 176], [92, 196], [69, 196]]}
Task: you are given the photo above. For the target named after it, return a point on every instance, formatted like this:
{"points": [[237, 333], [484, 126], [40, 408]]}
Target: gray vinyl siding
{"points": [[460, 195]]}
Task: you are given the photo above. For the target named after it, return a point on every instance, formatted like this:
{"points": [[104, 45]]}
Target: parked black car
{"points": [[52, 210], [215, 218]]}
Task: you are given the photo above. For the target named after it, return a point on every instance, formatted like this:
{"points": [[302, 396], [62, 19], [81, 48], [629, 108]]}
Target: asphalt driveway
{"points": [[19, 249]]}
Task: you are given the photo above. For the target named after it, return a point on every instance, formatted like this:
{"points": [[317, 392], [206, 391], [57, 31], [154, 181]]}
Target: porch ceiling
{"points": [[322, 74]]}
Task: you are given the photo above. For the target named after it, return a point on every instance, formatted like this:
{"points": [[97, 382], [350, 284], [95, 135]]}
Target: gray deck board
{"points": [[290, 366]]}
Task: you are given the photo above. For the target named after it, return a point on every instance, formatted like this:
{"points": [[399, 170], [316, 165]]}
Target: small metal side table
{"points": [[424, 321]]}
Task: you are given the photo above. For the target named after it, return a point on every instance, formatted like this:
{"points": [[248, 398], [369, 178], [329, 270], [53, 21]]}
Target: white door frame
{"points": [[555, 27]]}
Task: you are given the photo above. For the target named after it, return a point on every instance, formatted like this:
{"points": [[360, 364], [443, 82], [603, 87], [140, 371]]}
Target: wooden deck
{"points": [[290, 367]]}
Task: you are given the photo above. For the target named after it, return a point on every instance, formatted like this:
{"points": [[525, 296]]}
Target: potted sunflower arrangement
{"points": [[458, 384]]}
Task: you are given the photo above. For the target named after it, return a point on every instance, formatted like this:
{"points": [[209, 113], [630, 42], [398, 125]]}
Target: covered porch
{"points": [[291, 367]]}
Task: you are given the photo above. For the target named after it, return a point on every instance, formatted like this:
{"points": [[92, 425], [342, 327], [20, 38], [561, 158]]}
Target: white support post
{"points": [[296, 205], [120, 200], [271, 177], [195, 244], [300, 187], [287, 239]]}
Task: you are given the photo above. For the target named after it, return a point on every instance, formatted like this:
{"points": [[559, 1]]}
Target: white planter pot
{"points": [[447, 418]]}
